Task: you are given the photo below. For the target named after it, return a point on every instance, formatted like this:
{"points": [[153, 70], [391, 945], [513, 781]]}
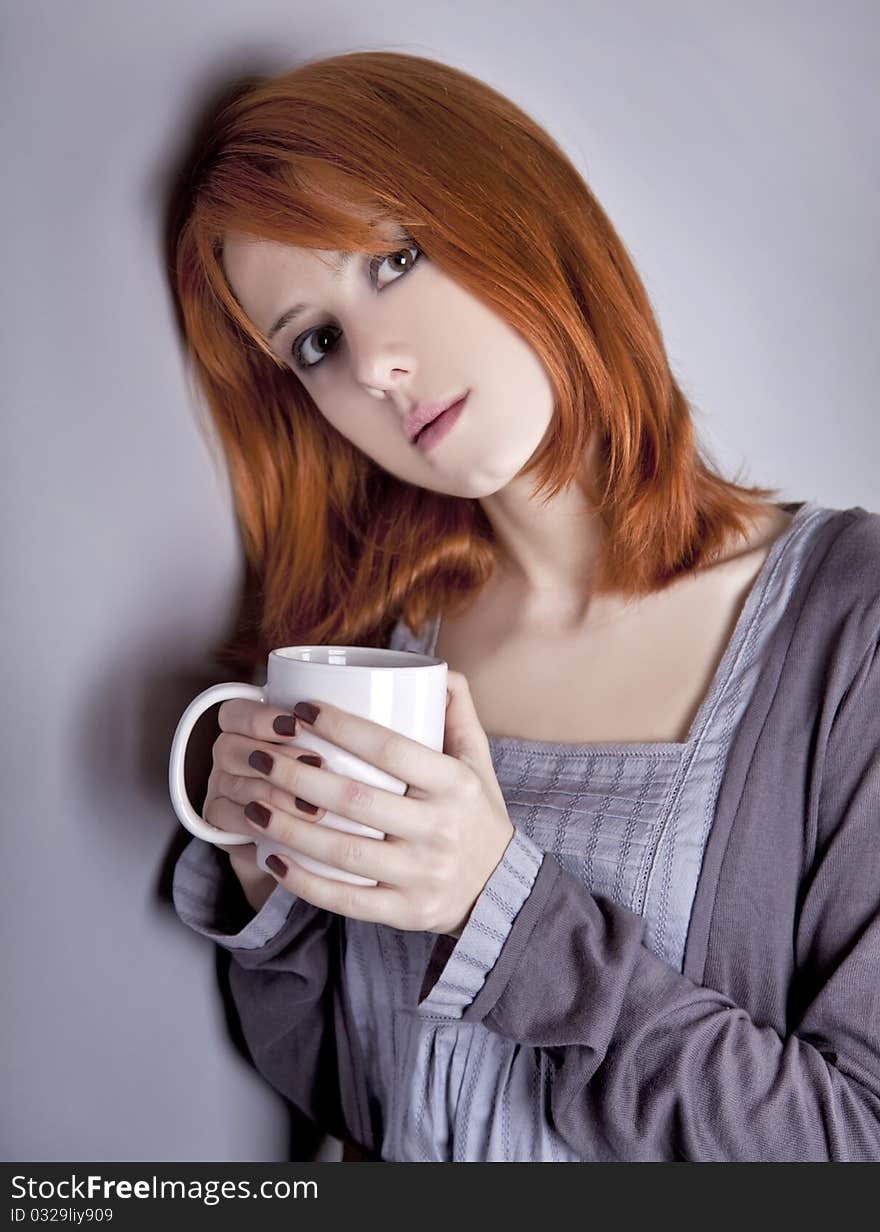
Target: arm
{"points": [[669, 1069], [285, 982]]}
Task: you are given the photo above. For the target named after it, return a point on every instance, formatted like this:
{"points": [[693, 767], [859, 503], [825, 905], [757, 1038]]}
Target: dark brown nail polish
{"points": [[277, 865], [261, 761], [311, 759], [305, 806], [285, 725], [257, 813], [306, 711]]}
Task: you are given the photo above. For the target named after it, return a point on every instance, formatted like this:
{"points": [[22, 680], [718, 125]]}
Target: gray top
{"points": [[628, 821], [625, 986]]}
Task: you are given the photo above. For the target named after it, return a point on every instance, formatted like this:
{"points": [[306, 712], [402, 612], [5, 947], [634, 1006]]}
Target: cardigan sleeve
{"points": [[663, 1068], [285, 982]]}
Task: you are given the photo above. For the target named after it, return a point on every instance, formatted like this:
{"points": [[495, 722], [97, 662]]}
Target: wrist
{"points": [[257, 892], [255, 884]]}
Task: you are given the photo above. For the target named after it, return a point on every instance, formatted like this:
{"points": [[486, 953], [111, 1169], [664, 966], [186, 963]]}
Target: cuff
{"points": [[206, 900], [457, 970]]}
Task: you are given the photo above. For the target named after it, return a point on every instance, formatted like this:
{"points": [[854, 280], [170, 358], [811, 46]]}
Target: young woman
{"points": [[632, 911]]}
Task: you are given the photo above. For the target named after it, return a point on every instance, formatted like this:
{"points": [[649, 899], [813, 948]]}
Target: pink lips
{"points": [[440, 427], [424, 414]]}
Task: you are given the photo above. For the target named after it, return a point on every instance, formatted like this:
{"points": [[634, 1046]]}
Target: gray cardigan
{"points": [[767, 1045]]}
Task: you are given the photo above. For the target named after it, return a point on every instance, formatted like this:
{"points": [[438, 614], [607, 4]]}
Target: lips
{"points": [[426, 413]]}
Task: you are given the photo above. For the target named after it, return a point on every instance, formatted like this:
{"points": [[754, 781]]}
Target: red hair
{"points": [[336, 154]]}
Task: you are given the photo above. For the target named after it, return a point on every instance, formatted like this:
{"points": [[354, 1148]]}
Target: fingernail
{"points": [[305, 806], [277, 865], [261, 761], [285, 725], [311, 759], [306, 711], [257, 813]]}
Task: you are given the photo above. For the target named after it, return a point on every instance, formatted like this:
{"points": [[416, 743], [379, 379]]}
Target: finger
{"points": [[259, 720], [408, 760], [224, 814], [242, 789], [375, 904], [372, 806], [232, 753], [388, 861], [228, 814]]}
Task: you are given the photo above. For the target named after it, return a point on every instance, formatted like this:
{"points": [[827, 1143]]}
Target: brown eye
{"points": [[402, 260]]}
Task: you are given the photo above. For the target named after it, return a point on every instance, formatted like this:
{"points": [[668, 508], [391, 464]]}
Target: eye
{"points": [[323, 338], [405, 252]]}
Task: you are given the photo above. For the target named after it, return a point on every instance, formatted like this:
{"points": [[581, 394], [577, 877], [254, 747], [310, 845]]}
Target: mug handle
{"points": [[176, 783], [213, 834]]}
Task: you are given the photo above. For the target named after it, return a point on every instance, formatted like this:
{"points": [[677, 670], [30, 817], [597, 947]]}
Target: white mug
{"points": [[396, 688]]}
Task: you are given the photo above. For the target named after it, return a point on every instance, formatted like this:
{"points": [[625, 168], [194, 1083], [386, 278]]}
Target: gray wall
{"points": [[734, 147]]}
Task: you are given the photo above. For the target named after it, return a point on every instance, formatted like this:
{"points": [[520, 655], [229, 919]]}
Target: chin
{"points": [[474, 486], [483, 484], [488, 488]]}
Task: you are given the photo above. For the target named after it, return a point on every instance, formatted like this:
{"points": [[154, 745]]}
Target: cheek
{"points": [[340, 413], [368, 429], [511, 362], [524, 393], [528, 366]]}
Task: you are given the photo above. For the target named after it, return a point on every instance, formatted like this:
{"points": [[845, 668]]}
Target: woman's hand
{"points": [[444, 838], [245, 726]]}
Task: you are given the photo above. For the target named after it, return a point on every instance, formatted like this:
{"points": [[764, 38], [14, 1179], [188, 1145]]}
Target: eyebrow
{"points": [[287, 316]]}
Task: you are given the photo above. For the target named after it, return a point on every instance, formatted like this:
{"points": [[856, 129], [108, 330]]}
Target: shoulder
{"points": [[832, 620], [843, 573], [854, 549]]}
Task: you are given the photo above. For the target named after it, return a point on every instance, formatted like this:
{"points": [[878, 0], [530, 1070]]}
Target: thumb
{"points": [[464, 737]]}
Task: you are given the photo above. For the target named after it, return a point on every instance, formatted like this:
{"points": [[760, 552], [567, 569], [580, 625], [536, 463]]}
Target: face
{"points": [[383, 334]]}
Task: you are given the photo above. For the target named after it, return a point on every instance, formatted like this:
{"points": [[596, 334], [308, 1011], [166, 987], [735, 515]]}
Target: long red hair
{"points": [[334, 155]]}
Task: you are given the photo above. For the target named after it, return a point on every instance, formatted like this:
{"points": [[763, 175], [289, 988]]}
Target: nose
{"points": [[381, 368]]}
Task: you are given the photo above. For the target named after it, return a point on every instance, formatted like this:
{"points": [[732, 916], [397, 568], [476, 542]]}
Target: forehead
{"points": [[262, 272], [246, 259]]}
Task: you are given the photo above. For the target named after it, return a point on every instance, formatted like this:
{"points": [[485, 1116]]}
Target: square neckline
{"points": [[802, 512]]}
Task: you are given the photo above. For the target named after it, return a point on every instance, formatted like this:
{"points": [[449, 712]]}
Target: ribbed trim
{"points": [[462, 971], [198, 891]]}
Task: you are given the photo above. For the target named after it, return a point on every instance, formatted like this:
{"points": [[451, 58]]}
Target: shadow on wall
{"points": [[168, 691]]}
